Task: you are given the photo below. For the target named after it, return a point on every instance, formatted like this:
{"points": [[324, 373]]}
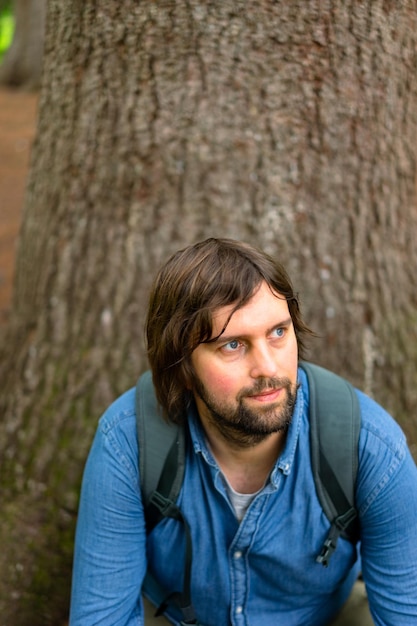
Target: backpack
{"points": [[334, 434]]}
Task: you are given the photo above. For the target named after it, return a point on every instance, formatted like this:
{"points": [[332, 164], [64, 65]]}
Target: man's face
{"points": [[245, 382]]}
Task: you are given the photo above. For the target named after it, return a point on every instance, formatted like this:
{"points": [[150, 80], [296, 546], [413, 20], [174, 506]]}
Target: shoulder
{"points": [[376, 423], [116, 434], [120, 414], [379, 428], [382, 450]]}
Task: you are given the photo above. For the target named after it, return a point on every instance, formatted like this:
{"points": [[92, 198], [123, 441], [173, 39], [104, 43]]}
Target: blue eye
{"points": [[232, 345], [280, 332]]}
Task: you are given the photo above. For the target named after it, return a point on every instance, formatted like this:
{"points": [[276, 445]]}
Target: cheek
{"points": [[219, 383], [294, 360]]}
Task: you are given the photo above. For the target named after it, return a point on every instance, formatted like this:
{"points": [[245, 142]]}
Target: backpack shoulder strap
{"points": [[335, 423], [161, 448], [161, 466]]}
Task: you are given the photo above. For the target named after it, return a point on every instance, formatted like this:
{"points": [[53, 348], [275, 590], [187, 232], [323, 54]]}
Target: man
{"points": [[225, 336]]}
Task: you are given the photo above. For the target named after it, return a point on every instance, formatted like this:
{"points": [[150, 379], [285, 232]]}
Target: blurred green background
{"points": [[6, 27]]}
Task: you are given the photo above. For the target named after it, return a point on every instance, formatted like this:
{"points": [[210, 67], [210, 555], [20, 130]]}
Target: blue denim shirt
{"points": [[263, 569]]}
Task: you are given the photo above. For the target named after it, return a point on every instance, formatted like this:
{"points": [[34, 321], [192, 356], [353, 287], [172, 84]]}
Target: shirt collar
{"points": [[198, 436], [286, 459]]}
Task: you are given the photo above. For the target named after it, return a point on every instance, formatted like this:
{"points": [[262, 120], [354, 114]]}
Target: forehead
{"points": [[265, 309]]}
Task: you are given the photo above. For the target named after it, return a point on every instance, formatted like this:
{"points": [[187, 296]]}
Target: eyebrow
{"points": [[220, 339]]}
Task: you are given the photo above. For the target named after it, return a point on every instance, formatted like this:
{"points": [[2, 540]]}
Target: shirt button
{"points": [[239, 610], [238, 555]]}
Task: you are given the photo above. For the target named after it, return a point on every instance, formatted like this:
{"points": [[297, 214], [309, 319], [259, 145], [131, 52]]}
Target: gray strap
{"points": [[335, 427], [156, 438]]}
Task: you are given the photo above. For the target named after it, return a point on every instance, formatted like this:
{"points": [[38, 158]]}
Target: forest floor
{"points": [[17, 129]]}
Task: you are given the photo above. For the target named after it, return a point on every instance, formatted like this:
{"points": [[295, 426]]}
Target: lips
{"points": [[268, 395]]}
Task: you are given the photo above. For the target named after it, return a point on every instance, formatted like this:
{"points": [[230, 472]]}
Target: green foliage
{"points": [[6, 27]]}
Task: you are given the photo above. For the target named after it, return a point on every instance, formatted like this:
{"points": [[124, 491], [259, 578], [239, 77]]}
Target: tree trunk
{"points": [[22, 63], [288, 124]]}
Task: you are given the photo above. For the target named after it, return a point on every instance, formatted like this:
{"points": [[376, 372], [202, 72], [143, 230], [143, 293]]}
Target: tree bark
{"points": [[288, 124], [22, 63]]}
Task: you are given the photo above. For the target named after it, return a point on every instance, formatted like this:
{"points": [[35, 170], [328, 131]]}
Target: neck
{"points": [[246, 468]]}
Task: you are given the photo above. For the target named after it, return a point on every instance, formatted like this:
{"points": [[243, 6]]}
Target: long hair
{"points": [[189, 288]]}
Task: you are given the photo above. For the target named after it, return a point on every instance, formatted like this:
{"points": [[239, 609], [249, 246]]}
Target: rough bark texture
{"points": [[22, 64], [288, 124]]}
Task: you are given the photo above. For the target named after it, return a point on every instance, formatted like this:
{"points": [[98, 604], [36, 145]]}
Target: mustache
{"points": [[263, 384]]}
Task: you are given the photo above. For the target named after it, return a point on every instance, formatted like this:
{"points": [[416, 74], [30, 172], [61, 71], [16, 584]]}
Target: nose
{"points": [[263, 361]]}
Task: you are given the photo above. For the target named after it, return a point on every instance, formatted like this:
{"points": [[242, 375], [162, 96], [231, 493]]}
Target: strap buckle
{"points": [[164, 505], [338, 526]]}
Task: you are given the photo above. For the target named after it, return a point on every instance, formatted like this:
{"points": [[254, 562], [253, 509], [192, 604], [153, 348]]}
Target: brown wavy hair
{"points": [[189, 288]]}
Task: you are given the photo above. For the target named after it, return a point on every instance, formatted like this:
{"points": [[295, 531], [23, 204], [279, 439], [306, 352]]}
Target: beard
{"points": [[242, 425]]}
